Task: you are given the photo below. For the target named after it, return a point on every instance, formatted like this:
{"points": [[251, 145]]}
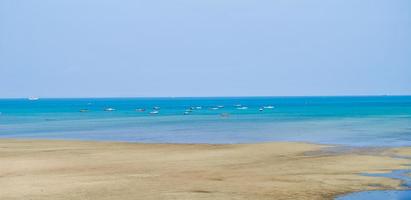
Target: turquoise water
{"points": [[353, 121]]}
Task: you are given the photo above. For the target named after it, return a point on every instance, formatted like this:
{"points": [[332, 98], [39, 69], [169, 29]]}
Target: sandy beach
{"points": [[63, 170]]}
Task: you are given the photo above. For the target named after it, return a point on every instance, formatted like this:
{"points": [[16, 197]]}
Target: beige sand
{"points": [[95, 170]]}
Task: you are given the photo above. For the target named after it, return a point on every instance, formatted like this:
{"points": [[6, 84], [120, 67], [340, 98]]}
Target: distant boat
{"points": [[238, 105], [154, 112], [198, 107], [220, 106], [140, 110], [33, 98], [243, 108], [225, 114], [84, 110], [268, 107], [109, 109], [261, 109], [186, 113], [156, 108], [214, 108]]}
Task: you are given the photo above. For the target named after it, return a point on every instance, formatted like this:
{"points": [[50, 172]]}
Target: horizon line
{"points": [[239, 96]]}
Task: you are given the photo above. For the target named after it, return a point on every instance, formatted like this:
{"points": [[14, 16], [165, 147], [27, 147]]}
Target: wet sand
{"points": [[71, 170]]}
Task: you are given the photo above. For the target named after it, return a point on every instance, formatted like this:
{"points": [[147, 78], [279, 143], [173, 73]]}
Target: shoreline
{"points": [[71, 169]]}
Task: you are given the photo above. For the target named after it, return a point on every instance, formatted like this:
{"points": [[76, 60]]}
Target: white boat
{"points": [[140, 110], [214, 108], [109, 109], [268, 107], [220, 106], [186, 113], [156, 108], [154, 112], [198, 107], [261, 109], [243, 108], [237, 105], [33, 98]]}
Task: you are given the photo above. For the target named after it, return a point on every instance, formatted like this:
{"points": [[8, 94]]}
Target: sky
{"points": [[133, 48]]}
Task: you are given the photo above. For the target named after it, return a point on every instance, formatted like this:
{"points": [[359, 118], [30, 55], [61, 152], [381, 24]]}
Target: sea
{"points": [[344, 120]]}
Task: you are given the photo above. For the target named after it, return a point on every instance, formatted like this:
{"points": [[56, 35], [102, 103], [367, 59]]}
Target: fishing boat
{"points": [[140, 110], [109, 109], [242, 108], [268, 107], [225, 114], [33, 98], [154, 112]]}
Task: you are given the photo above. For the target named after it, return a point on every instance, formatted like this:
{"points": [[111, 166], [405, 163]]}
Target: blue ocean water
{"points": [[353, 121]]}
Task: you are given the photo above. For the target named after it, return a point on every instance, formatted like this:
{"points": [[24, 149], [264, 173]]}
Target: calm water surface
{"points": [[354, 121], [385, 194]]}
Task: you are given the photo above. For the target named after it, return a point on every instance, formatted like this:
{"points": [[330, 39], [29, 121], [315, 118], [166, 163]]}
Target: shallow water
{"points": [[353, 121], [379, 195], [385, 194]]}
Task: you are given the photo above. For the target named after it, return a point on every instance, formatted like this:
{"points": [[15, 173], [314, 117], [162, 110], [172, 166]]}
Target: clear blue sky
{"points": [[96, 48]]}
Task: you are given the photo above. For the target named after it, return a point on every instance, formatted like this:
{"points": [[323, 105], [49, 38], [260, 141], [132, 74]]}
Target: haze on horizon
{"points": [[103, 48]]}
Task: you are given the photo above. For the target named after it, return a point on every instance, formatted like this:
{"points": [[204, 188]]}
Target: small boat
{"points": [[189, 110], [140, 110], [109, 109], [156, 108], [268, 107], [186, 113], [154, 112], [33, 98], [198, 107], [237, 105], [84, 110], [220, 106], [225, 114], [242, 108], [261, 109], [214, 108]]}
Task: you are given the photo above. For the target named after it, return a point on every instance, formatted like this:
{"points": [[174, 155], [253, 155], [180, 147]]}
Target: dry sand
{"points": [[63, 170]]}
